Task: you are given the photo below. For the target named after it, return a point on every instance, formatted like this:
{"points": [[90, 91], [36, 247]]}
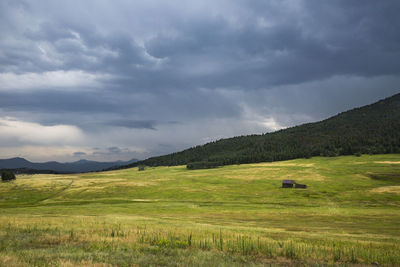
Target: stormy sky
{"points": [[115, 80]]}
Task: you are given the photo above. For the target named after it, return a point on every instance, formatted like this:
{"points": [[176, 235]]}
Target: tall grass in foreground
{"points": [[96, 245], [322, 251]]}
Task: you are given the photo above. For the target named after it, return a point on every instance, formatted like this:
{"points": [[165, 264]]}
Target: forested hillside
{"points": [[372, 129]]}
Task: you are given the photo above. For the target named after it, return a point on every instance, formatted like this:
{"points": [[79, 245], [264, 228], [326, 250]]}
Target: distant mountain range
{"points": [[372, 129], [24, 166]]}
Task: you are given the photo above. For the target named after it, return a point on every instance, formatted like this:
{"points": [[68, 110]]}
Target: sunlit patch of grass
{"points": [[394, 189], [8, 260]]}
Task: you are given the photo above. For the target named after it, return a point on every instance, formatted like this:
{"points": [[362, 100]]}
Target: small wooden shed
{"points": [[291, 184], [288, 183]]}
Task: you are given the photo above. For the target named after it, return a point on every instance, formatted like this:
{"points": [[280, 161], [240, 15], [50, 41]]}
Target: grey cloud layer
{"points": [[158, 67], [251, 45]]}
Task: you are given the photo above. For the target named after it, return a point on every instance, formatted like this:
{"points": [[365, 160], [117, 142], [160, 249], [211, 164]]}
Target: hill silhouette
{"points": [[21, 165]]}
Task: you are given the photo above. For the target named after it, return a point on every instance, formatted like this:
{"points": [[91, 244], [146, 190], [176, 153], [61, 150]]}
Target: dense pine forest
{"points": [[372, 129]]}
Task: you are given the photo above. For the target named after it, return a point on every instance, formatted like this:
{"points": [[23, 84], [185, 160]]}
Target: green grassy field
{"points": [[229, 216]]}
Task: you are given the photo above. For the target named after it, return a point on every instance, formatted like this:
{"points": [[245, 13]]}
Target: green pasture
{"points": [[230, 216]]}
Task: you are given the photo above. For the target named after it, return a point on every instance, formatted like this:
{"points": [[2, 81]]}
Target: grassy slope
{"points": [[231, 215]]}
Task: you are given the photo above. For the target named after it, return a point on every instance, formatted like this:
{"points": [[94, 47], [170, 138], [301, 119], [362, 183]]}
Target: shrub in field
{"points": [[203, 165], [7, 176]]}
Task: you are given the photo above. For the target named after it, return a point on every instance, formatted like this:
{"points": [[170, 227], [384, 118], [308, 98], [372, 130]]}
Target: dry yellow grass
{"points": [[84, 263], [11, 261], [387, 189]]}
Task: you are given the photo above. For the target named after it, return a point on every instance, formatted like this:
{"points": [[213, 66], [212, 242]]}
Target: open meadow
{"points": [[229, 216]]}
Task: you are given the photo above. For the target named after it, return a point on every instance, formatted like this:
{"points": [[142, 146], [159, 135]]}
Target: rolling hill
{"points": [[21, 165], [371, 129]]}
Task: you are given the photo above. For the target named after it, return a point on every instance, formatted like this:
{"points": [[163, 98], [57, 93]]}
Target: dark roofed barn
{"points": [[291, 184], [288, 183]]}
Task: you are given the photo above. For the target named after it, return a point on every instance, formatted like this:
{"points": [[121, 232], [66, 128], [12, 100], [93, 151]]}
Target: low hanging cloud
{"points": [[134, 124], [79, 154], [151, 77]]}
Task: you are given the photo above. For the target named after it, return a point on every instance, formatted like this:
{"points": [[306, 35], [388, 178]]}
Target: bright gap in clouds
{"points": [[74, 80], [13, 130]]}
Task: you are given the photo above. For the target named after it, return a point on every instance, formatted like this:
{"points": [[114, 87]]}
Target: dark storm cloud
{"points": [[140, 124], [135, 124], [88, 109], [313, 41], [45, 101], [151, 71], [114, 149], [320, 41]]}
